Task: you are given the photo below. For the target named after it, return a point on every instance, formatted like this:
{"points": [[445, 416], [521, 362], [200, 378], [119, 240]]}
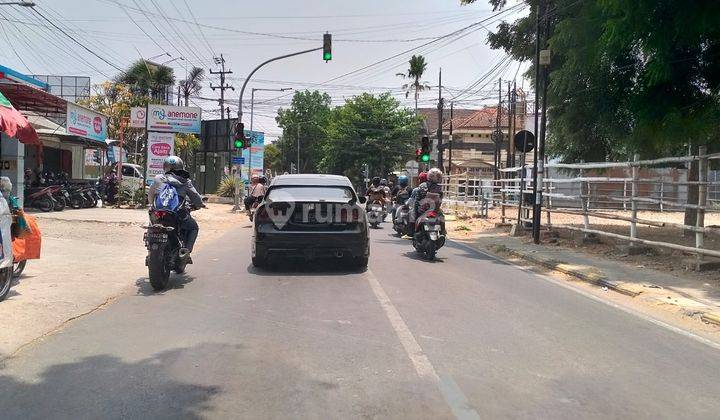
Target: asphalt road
{"points": [[466, 336]]}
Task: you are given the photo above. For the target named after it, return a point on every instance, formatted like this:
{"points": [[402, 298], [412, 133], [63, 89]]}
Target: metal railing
{"points": [[602, 190]]}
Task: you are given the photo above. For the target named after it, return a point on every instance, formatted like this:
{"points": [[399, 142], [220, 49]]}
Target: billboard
{"points": [[83, 122], [160, 146], [257, 148], [137, 117], [174, 119]]}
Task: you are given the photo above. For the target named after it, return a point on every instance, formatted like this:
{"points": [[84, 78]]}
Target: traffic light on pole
{"points": [[239, 136], [425, 149], [327, 47]]}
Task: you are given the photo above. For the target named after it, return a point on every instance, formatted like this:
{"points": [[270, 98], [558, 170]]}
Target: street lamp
{"points": [[157, 56], [18, 3], [252, 109], [171, 60]]}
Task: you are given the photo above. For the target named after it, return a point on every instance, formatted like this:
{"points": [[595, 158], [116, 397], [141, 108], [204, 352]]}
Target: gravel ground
{"points": [[89, 257]]}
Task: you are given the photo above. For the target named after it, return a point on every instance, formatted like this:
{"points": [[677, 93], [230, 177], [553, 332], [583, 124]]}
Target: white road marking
{"points": [[450, 391]]}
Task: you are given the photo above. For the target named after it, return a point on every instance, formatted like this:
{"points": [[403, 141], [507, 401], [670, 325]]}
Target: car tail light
{"points": [[354, 216], [432, 213], [261, 215]]}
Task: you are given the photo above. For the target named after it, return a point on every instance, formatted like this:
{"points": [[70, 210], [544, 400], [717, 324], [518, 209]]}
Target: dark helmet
{"points": [[376, 181], [263, 179], [173, 163], [403, 181], [383, 182]]}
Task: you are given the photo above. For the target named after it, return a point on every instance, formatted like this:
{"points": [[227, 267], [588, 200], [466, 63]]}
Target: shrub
{"points": [[226, 188]]}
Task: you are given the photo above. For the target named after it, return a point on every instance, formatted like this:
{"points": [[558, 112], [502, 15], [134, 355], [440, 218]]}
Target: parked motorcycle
{"points": [[40, 198], [163, 241]]}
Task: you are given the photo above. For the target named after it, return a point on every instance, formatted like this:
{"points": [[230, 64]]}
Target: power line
{"points": [[35, 9]]}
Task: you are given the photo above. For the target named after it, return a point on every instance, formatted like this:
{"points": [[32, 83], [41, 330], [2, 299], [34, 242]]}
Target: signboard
{"points": [[137, 117], [83, 122], [524, 141], [411, 167], [92, 157], [174, 119], [160, 146], [238, 160], [257, 148]]}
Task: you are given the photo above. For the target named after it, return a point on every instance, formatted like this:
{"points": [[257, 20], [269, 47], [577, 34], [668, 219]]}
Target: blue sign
{"points": [[238, 160]]}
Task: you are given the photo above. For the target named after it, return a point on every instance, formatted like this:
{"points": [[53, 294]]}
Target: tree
{"points": [[185, 144], [369, 129], [148, 79], [192, 84], [306, 119], [415, 73], [115, 100], [273, 158]]}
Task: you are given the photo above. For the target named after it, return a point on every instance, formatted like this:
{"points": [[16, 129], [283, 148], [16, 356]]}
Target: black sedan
{"points": [[311, 216]]}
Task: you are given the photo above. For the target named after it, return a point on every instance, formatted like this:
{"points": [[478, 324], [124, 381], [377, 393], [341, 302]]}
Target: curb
{"points": [[711, 317], [594, 278]]}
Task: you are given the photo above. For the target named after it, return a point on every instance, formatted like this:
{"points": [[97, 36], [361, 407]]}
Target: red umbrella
{"points": [[14, 124]]}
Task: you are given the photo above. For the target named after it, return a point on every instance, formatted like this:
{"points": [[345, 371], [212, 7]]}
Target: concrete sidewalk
{"points": [[696, 298]]}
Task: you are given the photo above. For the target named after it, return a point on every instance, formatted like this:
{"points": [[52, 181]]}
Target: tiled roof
{"points": [[463, 118]]}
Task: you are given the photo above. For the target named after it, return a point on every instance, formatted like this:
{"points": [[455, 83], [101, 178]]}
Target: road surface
{"points": [[464, 337]]}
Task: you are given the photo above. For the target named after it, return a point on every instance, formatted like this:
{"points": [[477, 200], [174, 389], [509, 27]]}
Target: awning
{"points": [[14, 124], [28, 98]]}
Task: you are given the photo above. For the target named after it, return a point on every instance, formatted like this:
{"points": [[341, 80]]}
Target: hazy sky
{"points": [[249, 32]]}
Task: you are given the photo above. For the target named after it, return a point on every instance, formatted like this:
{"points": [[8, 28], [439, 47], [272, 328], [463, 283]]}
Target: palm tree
{"points": [[192, 84], [415, 73], [147, 78]]}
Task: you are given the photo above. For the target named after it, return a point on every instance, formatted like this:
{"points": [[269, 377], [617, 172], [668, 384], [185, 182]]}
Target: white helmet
{"points": [[173, 163], [435, 175]]}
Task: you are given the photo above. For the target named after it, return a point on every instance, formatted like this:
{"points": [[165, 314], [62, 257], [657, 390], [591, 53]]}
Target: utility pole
{"points": [[223, 87], [450, 140], [497, 135], [537, 165], [510, 146], [441, 105], [514, 122], [298, 150]]}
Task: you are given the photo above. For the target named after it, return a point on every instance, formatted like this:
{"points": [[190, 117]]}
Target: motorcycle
{"points": [[40, 198], [376, 213], [401, 223], [429, 234], [163, 241]]}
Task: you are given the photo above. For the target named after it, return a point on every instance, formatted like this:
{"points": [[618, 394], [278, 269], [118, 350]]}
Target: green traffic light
{"points": [[239, 144], [327, 56], [425, 158]]}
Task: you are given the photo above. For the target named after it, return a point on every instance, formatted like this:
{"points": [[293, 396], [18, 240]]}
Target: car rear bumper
{"points": [[311, 245]]}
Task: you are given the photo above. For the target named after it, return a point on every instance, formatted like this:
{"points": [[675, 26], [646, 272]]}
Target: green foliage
{"points": [[417, 68], [307, 118], [185, 143], [369, 129], [147, 78], [192, 84], [227, 185], [626, 75], [273, 158]]}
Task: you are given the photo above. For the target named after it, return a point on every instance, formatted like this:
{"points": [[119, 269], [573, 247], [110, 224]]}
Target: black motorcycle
{"points": [[401, 222], [163, 240], [429, 233]]}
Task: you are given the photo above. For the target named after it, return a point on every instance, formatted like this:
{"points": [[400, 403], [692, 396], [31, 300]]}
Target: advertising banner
{"points": [[160, 146], [174, 119], [83, 122], [137, 117], [257, 148]]}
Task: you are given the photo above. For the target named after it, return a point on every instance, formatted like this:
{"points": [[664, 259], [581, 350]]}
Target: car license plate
{"points": [[433, 228], [66, 194], [156, 237]]}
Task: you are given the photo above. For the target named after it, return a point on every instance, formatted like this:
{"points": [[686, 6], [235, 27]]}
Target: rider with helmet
{"points": [[375, 192], [401, 193], [429, 193], [176, 175]]}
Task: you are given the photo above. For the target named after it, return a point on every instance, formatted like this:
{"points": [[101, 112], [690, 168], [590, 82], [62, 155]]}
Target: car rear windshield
{"points": [[310, 193]]}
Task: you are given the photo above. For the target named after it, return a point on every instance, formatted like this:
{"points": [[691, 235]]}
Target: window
{"points": [[129, 171], [310, 193]]}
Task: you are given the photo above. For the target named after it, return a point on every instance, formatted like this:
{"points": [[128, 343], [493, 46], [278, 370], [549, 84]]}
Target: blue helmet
{"points": [[403, 180]]}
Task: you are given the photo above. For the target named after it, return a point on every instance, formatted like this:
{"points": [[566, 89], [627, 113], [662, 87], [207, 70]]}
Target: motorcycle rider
{"points": [[401, 193], [429, 193], [176, 175], [375, 192]]}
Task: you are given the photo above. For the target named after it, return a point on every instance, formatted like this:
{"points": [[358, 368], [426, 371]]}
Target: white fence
{"points": [[597, 189]]}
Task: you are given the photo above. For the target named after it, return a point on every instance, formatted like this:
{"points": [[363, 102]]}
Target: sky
{"points": [[372, 42]]}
